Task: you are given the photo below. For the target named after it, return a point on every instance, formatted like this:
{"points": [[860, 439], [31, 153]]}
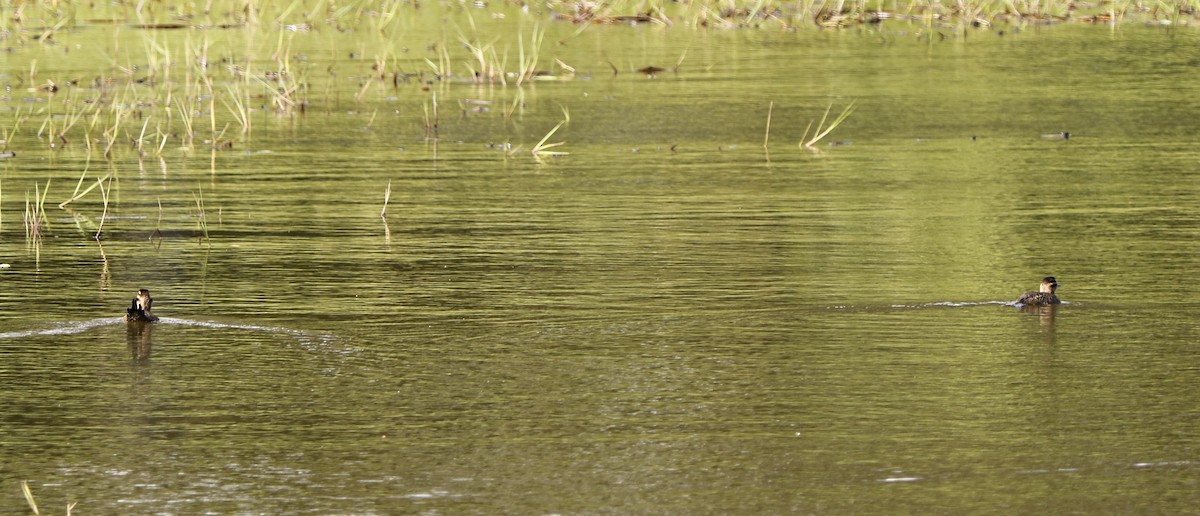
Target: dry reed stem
{"points": [[104, 197], [767, 137], [387, 195], [29, 496]]}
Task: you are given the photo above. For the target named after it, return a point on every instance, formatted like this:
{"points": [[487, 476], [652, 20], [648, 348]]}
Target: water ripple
{"points": [[72, 328]]}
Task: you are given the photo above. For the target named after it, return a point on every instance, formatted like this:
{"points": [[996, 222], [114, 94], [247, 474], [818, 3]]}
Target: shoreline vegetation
{"points": [[42, 19], [161, 78], [842, 13], [197, 75]]}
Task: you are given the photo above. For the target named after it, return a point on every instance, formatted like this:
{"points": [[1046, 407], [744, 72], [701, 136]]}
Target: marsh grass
{"points": [[824, 14], [55, 132], [485, 64], [36, 221], [189, 132], [42, 21], [156, 88], [528, 60], [236, 104]]}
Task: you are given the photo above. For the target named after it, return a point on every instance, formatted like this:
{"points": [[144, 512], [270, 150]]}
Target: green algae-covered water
{"points": [[668, 319]]}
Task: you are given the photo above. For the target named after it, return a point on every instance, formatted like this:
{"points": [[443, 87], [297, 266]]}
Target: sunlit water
{"points": [[667, 320]]}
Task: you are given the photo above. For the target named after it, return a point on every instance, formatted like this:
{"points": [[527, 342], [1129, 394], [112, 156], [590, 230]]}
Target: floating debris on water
{"points": [[651, 71]]}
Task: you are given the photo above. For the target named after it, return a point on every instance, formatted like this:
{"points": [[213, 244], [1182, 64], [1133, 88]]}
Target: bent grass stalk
{"points": [[10, 133], [162, 143], [281, 94], [567, 69], [543, 149], [104, 197], [441, 69], [540, 150], [110, 135], [78, 194], [822, 129], [487, 71], [518, 100], [142, 136], [29, 496], [387, 195], [362, 92]]}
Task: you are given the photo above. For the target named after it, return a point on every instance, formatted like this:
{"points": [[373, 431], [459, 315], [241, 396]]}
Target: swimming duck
{"points": [[139, 308], [1044, 295]]}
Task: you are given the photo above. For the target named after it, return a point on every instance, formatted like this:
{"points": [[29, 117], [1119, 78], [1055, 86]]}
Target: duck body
{"points": [[1039, 298], [1044, 296], [139, 308]]}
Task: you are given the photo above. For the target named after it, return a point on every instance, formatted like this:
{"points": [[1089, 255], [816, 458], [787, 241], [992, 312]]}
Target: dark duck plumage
{"points": [[1044, 295], [139, 309]]}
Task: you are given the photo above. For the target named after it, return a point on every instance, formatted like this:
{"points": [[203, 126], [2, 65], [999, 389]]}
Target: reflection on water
{"points": [[1045, 315], [140, 335], [662, 321]]}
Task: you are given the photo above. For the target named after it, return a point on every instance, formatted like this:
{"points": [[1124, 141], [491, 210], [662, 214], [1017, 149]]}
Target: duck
{"points": [[139, 308], [1044, 295]]}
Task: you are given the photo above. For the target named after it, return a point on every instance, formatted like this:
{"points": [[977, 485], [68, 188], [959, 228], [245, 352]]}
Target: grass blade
{"points": [[29, 496], [822, 133]]}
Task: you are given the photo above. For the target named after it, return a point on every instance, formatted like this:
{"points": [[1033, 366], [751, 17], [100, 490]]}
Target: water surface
{"points": [[667, 320]]}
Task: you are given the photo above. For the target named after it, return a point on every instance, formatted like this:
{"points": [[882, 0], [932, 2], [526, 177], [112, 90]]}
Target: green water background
{"points": [[667, 320]]}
